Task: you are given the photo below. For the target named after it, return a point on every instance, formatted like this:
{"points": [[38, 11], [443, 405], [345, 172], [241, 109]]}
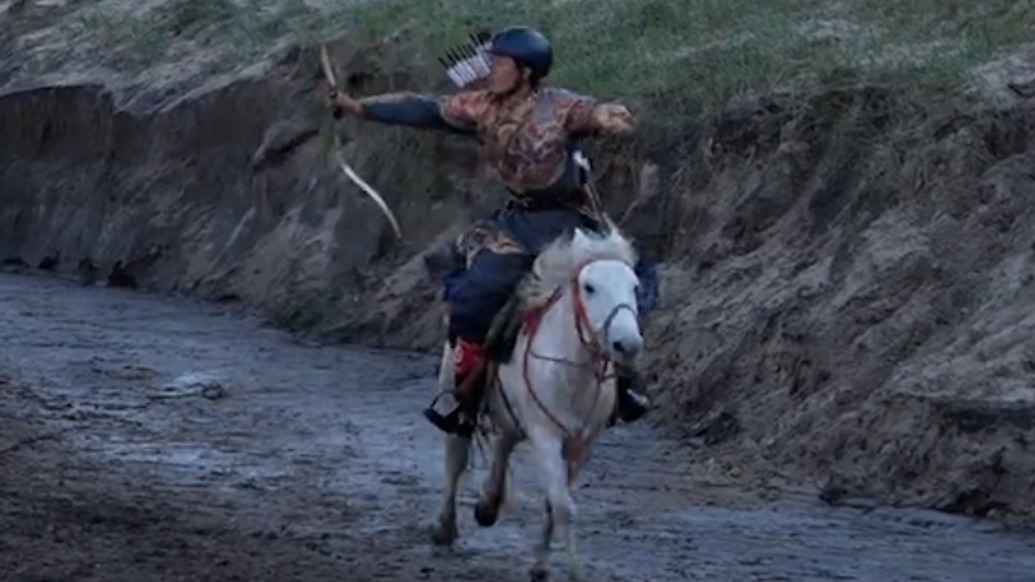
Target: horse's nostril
{"points": [[626, 347]]}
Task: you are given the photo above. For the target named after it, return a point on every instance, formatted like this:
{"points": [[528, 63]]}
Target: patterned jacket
{"points": [[529, 141]]}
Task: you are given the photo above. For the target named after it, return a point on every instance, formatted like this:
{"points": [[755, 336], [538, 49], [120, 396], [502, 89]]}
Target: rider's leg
{"points": [[475, 298], [632, 402]]}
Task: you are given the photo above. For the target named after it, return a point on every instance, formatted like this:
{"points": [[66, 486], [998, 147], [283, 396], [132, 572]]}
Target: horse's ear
{"points": [[605, 227], [579, 239]]}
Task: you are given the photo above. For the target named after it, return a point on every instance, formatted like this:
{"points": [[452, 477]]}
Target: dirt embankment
{"points": [[228, 189], [848, 290], [858, 307]]}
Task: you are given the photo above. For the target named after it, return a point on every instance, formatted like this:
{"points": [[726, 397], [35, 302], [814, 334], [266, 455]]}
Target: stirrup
{"points": [[453, 422]]}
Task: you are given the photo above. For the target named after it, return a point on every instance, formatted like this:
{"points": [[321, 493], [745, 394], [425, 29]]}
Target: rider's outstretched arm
{"points": [[584, 117], [457, 112]]}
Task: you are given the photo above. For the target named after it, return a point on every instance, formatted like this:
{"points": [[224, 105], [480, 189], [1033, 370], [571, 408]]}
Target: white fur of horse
{"points": [[563, 378]]}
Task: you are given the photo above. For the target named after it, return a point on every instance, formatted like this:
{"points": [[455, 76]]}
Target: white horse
{"points": [[557, 390]]}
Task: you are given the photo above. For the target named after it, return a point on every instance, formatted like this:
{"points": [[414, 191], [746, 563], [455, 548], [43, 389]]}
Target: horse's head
{"points": [[596, 269], [605, 293]]}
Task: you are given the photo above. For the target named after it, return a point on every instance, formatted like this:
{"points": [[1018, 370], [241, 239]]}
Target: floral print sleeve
{"points": [[582, 116]]}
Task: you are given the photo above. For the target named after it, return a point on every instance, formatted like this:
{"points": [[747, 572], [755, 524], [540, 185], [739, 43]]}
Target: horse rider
{"points": [[529, 134]]}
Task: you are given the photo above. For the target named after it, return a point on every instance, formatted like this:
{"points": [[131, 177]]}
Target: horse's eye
{"points": [[589, 289]]}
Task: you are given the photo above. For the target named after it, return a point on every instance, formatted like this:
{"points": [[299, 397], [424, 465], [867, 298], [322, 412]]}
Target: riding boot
{"points": [[470, 380], [632, 403], [461, 421]]}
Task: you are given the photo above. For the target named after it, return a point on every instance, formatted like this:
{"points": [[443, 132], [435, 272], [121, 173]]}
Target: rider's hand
{"points": [[614, 119], [342, 104]]}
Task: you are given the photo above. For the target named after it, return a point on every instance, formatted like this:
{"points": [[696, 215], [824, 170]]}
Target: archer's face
{"points": [[504, 75]]}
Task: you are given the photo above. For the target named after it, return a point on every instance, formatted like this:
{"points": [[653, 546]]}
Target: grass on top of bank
{"points": [[680, 54]]}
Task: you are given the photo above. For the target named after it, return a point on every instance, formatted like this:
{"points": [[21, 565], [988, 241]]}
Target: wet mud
{"points": [[163, 439]]}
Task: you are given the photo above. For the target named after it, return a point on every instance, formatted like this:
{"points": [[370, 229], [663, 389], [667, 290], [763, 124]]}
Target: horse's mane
{"points": [[557, 263]]}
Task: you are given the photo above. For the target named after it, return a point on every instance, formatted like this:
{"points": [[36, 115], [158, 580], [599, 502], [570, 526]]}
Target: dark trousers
{"points": [[498, 252]]}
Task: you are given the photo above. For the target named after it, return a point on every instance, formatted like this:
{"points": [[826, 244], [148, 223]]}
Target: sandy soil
{"points": [[149, 438]]}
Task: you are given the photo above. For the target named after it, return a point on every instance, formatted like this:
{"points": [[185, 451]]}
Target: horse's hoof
{"points": [[486, 514], [540, 574], [443, 535]]}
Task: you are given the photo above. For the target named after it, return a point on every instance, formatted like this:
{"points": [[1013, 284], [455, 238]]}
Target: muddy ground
{"points": [[312, 463]]}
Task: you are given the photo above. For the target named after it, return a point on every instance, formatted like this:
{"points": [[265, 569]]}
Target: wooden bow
{"points": [[328, 72]]}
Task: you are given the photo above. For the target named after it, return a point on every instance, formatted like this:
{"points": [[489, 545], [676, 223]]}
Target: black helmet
{"points": [[527, 46]]}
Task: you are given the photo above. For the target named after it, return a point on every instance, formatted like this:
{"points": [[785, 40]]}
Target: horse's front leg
{"points": [[457, 453], [560, 509], [540, 570], [487, 511]]}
